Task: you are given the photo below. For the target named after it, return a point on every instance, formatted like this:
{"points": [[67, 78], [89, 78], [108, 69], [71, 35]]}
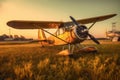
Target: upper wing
{"points": [[53, 24], [33, 24], [95, 19]]}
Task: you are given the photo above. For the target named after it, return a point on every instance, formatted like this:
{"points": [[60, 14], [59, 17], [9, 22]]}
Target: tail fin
{"points": [[41, 35]]}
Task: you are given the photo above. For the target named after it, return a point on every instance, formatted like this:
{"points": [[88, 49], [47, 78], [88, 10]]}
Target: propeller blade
{"points": [[74, 21], [93, 38]]}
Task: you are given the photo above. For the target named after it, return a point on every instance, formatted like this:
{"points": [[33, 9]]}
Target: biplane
{"points": [[67, 33]]}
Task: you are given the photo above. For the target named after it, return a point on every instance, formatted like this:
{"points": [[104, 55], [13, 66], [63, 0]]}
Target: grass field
{"points": [[31, 62]]}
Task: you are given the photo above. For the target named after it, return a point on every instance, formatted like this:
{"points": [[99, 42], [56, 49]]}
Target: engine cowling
{"points": [[81, 32]]}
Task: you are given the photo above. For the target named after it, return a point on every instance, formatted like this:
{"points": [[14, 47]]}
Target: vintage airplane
{"points": [[73, 32], [113, 35]]}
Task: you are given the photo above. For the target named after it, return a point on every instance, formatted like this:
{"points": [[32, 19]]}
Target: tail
{"points": [[41, 35]]}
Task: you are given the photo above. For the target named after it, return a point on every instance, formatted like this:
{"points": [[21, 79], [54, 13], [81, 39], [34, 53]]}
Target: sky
{"points": [[58, 10]]}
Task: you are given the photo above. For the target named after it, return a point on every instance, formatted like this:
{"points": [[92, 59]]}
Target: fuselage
{"points": [[69, 36], [113, 35]]}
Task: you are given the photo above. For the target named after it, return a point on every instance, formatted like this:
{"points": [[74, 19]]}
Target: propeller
{"points": [[74, 21], [93, 38], [78, 25]]}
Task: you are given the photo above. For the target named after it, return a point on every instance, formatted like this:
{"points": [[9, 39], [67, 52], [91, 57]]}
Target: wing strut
{"points": [[51, 33], [93, 24]]}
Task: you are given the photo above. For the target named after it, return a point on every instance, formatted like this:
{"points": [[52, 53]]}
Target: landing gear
{"points": [[70, 48], [67, 50]]}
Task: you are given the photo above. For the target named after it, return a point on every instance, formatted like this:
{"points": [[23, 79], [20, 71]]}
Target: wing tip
{"points": [[113, 15], [9, 23]]}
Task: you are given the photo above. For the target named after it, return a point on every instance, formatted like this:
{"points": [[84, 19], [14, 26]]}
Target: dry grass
{"points": [[30, 62]]}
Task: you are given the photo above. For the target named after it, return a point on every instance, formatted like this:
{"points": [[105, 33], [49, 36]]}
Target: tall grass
{"points": [[35, 63]]}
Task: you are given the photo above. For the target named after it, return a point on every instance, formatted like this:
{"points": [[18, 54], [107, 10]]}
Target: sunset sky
{"points": [[57, 10]]}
